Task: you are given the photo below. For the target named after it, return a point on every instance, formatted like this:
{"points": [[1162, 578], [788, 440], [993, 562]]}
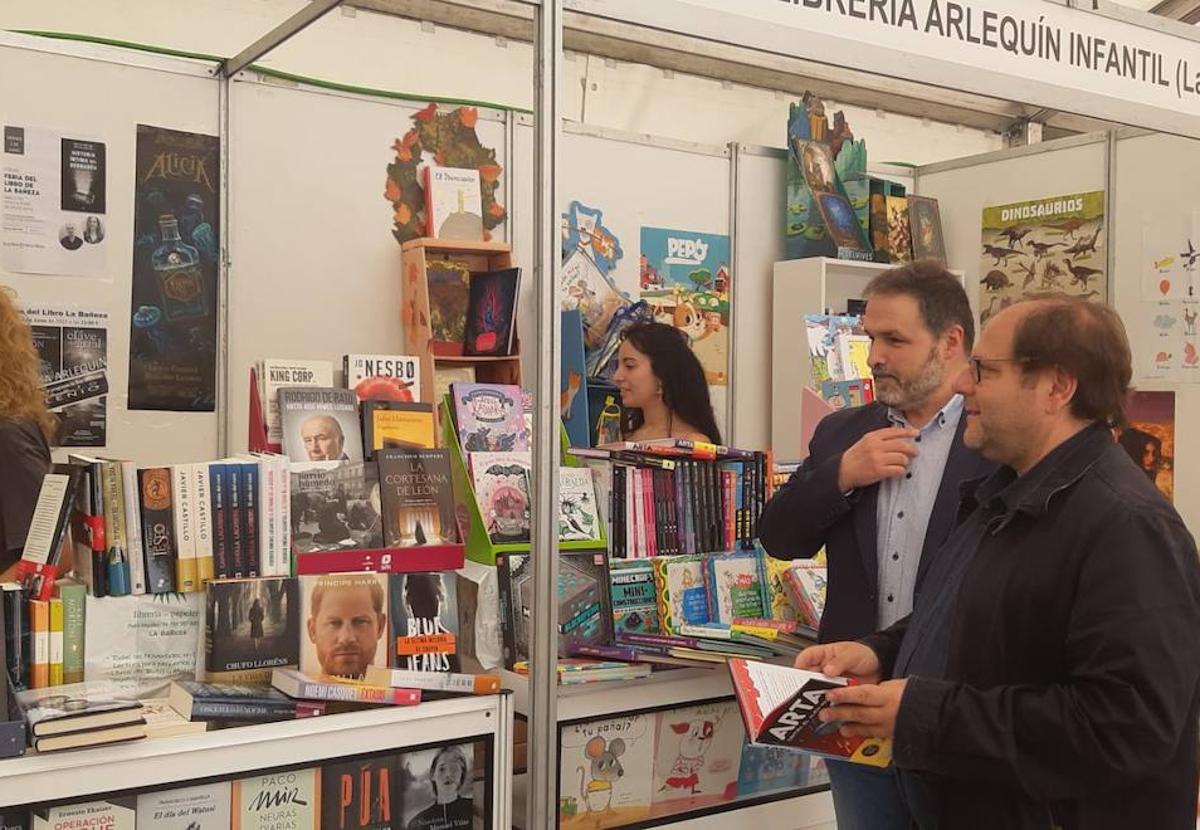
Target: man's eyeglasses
{"points": [[977, 364]]}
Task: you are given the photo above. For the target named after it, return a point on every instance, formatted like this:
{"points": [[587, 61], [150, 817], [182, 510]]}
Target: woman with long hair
{"points": [[26, 430], [663, 389]]}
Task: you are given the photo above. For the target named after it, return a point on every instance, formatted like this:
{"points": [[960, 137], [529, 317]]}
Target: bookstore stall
{"points": [[347, 526]]}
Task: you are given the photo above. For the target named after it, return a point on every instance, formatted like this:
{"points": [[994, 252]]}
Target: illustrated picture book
{"points": [[448, 282], [489, 417], [453, 203], [492, 312], [696, 757], [606, 772], [502, 487], [578, 514]]}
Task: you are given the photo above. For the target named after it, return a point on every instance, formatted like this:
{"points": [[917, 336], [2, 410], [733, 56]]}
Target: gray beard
{"points": [[913, 391]]}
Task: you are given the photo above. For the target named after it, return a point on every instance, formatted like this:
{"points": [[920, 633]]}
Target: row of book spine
{"points": [[666, 506], [170, 529], [44, 639]]}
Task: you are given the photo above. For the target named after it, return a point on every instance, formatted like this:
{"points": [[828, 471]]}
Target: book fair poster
{"points": [[173, 328], [72, 345], [1055, 244], [1149, 437], [53, 211], [1170, 300]]}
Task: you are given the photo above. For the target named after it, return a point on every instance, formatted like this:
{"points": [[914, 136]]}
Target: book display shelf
{"points": [[479, 546], [127, 774], [417, 313]]}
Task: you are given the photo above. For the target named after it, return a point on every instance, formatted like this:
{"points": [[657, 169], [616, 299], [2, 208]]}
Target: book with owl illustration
{"points": [[735, 587], [682, 596], [501, 482], [492, 312]]}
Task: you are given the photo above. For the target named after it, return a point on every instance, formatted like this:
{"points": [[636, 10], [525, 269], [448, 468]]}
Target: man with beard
{"points": [[879, 488]]}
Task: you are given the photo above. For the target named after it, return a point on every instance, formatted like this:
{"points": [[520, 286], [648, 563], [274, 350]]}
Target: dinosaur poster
{"points": [[606, 772], [1052, 244]]}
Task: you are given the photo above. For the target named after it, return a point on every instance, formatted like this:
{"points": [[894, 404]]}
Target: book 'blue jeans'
{"points": [[867, 798]]}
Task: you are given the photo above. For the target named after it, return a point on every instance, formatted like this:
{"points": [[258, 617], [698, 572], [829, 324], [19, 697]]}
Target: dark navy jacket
{"points": [[809, 512]]}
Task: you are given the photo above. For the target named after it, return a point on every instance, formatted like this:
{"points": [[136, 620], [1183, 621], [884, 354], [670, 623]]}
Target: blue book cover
{"points": [[218, 490], [635, 606], [573, 398], [770, 769]]}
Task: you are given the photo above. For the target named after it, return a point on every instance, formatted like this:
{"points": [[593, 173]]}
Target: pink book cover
{"points": [[812, 409]]}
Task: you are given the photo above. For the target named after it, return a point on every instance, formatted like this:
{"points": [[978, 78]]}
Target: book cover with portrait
{"points": [[437, 789], [424, 620], [345, 624], [320, 424]]}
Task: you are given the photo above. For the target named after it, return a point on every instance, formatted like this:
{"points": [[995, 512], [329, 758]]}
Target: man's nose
{"points": [[964, 384]]}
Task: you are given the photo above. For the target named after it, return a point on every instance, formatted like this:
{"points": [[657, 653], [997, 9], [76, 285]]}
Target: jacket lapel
{"points": [[962, 464], [866, 519]]}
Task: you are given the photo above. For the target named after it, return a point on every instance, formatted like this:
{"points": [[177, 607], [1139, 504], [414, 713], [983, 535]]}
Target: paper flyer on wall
{"points": [[53, 212], [1170, 300], [72, 345], [1057, 243], [173, 327]]}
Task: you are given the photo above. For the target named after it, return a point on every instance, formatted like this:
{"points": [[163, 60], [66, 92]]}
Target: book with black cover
{"points": [[228, 701], [418, 502], [158, 529], [424, 620], [492, 312], [335, 506], [18, 634], [252, 626], [360, 795]]}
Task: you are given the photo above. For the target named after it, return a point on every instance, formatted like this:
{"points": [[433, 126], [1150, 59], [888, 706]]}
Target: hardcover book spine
{"points": [[186, 572], [158, 529], [39, 615], [202, 511], [358, 694], [74, 599], [250, 518], [97, 524], [267, 526], [234, 523], [241, 710], [56, 641], [18, 635], [133, 529]]}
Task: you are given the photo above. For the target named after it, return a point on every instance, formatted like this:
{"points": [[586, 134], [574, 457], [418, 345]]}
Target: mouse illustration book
{"points": [[605, 773]]}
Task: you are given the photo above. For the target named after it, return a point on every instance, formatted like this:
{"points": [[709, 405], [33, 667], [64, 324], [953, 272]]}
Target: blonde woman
{"points": [[26, 430]]}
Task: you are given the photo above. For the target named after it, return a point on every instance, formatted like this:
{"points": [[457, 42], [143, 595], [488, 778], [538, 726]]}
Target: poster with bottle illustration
{"points": [[53, 210], [173, 327], [72, 346]]}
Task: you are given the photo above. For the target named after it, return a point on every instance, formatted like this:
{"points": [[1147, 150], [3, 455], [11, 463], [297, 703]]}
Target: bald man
{"points": [[323, 439]]}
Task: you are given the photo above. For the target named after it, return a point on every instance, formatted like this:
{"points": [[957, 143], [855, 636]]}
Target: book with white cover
{"points": [[194, 808], [202, 517], [386, 377], [278, 373], [133, 529], [454, 203]]}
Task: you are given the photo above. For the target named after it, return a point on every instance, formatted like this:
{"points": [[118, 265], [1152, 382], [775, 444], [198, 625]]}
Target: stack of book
{"points": [[80, 715]]}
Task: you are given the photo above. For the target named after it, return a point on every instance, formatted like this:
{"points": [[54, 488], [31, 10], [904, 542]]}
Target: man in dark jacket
{"points": [[879, 488], [1050, 672]]}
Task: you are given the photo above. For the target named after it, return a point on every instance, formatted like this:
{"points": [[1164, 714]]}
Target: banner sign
{"points": [[173, 329], [1037, 52]]}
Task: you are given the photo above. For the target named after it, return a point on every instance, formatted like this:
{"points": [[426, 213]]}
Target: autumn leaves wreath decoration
{"points": [[448, 140]]}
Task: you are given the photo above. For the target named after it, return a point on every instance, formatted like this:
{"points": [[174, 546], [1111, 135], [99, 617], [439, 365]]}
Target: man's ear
{"points": [[1062, 388], [312, 629], [953, 341], [382, 625]]}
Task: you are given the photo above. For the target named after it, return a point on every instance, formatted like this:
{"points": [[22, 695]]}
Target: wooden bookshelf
{"points": [[415, 256]]}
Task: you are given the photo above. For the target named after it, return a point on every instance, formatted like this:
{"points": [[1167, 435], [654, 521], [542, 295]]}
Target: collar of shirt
{"points": [[948, 414]]}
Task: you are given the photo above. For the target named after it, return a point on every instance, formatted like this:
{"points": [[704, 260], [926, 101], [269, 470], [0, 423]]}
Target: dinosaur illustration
{"points": [[1040, 249], [1081, 273], [1001, 255], [1087, 245], [1029, 269], [1015, 235], [1069, 226], [1052, 276], [995, 281]]}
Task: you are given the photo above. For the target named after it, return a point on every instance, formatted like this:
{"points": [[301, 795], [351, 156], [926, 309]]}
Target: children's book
{"points": [[806, 582], [780, 707], [697, 755], [453, 203], [502, 487], [578, 515], [768, 769], [735, 586], [634, 602], [489, 417], [448, 281], [682, 596], [778, 598], [606, 772]]}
